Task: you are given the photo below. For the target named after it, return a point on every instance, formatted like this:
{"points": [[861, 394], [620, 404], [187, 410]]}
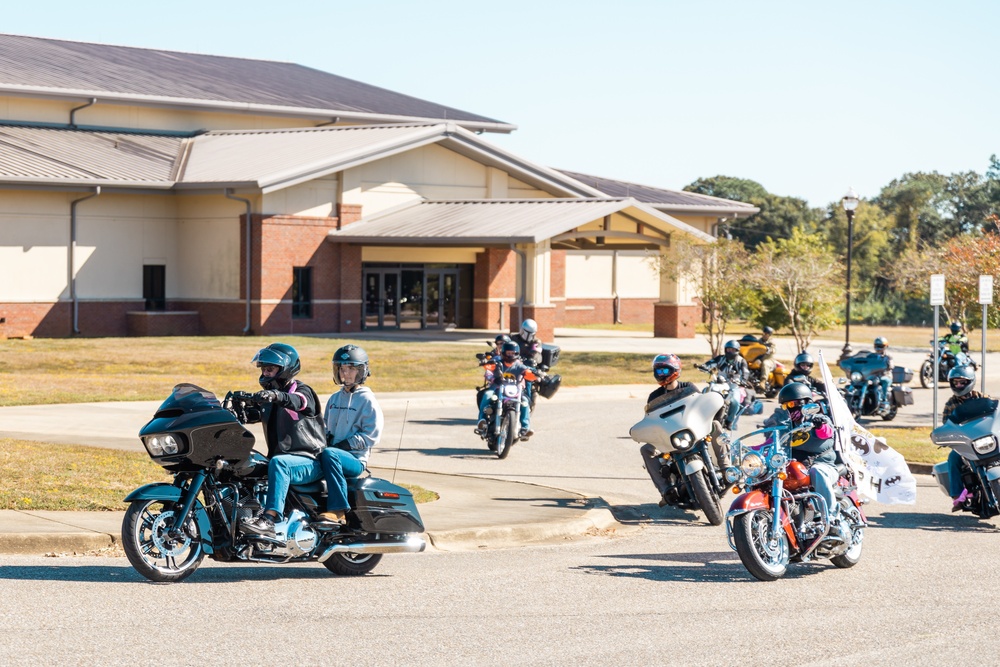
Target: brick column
{"points": [[494, 281], [673, 321], [545, 316]]}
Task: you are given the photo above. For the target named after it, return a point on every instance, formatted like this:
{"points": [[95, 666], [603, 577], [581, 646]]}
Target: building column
{"points": [[676, 314], [534, 285], [494, 284]]}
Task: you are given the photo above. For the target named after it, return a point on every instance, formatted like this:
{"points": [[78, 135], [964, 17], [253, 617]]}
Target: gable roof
{"points": [[506, 221], [666, 200], [79, 70]]}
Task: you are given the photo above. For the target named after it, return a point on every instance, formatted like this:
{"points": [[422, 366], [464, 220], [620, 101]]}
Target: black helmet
{"points": [[501, 339], [281, 355], [792, 397], [956, 327], [731, 348], [804, 362], [510, 351], [962, 379], [768, 330], [351, 355]]}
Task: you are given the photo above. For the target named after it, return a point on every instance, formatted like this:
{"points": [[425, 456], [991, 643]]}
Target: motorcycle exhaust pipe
{"points": [[410, 545]]}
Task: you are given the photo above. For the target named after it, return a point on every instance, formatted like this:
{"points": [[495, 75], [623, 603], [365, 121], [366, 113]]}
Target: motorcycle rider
{"points": [[498, 344], [817, 450], [732, 368], [961, 379], [767, 362], [884, 376], [802, 372], [354, 424], [530, 349], [293, 430], [667, 372], [956, 341], [509, 362]]}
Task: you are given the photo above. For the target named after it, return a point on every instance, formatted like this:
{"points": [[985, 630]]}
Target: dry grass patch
{"points": [[913, 443]]}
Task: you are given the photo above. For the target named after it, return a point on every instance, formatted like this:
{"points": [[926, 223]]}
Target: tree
{"points": [[719, 270], [804, 274], [920, 208]]}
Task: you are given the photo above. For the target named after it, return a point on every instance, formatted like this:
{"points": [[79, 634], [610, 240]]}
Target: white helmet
{"points": [[529, 328]]}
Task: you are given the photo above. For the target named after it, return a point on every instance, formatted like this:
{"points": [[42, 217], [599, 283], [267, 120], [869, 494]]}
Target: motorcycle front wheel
{"points": [[926, 374], [352, 565], [764, 558], [505, 438], [154, 549], [707, 500]]}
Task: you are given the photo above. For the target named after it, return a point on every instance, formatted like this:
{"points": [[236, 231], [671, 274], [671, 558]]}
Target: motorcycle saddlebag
{"points": [[901, 375], [902, 395], [550, 355], [549, 385], [383, 507]]}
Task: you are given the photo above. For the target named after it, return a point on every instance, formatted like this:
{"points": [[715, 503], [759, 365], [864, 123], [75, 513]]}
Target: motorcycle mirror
{"points": [[842, 381], [810, 409]]}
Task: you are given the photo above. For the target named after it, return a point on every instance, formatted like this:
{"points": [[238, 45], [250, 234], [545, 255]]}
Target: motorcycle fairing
{"points": [[693, 413]]}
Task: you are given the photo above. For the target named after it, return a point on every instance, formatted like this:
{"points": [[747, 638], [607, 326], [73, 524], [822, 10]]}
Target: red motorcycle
{"points": [[779, 518]]}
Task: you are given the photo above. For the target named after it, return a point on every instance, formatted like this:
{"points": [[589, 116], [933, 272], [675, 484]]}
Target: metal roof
{"points": [[496, 221], [666, 200], [57, 68]]}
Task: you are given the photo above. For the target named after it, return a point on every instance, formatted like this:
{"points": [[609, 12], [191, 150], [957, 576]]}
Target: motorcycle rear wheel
{"points": [[851, 557], [505, 438], [150, 547], [764, 559], [352, 565], [707, 500]]}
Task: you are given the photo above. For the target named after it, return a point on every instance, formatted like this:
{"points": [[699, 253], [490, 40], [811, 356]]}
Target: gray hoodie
{"points": [[357, 418]]}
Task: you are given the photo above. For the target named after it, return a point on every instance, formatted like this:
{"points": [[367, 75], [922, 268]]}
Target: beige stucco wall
{"points": [[316, 198], [589, 274], [420, 255], [208, 236]]}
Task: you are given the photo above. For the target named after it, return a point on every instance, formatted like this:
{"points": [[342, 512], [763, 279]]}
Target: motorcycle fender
{"points": [[758, 500], [165, 491], [696, 464]]}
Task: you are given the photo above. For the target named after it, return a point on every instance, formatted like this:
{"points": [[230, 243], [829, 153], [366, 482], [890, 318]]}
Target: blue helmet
{"points": [[281, 355]]}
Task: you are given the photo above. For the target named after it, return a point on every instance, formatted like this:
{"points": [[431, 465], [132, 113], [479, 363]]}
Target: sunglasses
{"points": [[960, 384], [788, 405]]}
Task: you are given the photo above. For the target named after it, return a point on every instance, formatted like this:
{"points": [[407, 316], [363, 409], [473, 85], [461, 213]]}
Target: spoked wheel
{"points": [[154, 548], [765, 558], [505, 438], [352, 565], [889, 416], [707, 500], [926, 374], [851, 557]]}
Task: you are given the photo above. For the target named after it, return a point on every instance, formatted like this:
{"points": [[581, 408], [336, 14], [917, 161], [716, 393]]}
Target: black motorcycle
{"points": [[861, 393], [947, 360], [219, 481]]}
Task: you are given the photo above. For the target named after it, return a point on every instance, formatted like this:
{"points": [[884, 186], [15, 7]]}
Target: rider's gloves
{"points": [[819, 420], [267, 396]]}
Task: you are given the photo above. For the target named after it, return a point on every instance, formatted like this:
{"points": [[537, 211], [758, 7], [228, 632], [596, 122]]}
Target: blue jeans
{"points": [[884, 383], [337, 466], [284, 470], [955, 484], [823, 478]]}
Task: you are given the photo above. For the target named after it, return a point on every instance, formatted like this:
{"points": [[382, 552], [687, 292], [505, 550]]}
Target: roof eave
{"points": [[706, 210]]}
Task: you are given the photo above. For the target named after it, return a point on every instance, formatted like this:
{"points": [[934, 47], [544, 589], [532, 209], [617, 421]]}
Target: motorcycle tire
{"points": [[506, 436], [851, 557], [352, 565], [889, 416], [765, 562], [149, 547], [707, 500], [926, 374]]}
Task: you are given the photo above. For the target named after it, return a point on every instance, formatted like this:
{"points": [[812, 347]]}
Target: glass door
{"points": [[442, 297], [381, 298]]}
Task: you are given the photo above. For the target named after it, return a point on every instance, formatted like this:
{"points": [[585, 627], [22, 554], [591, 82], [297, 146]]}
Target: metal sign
{"points": [[985, 290], [937, 289]]}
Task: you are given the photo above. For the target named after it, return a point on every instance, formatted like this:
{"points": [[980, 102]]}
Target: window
{"points": [[154, 286], [302, 291]]}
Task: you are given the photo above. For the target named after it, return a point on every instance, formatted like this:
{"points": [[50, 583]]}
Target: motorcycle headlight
{"points": [[985, 444], [161, 445], [777, 461], [752, 465], [856, 376], [682, 440], [170, 444], [154, 446], [732, 475]]}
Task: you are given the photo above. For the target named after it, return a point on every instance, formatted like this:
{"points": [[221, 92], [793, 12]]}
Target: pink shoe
{"points": [[962, 497]]}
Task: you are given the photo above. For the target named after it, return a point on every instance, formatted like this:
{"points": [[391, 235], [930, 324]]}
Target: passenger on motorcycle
{"points": [[508, 363], [956, 341], [962, 379], [732, 368], [767, 362], [293, 430], [498, 344], [816, 448], [884, 376], [802, 372], [354, 424], [530, 349]]}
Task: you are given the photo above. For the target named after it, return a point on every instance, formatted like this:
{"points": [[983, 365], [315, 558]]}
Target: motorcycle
{"points": [[682, 431], [973, 430], [546, 385], [720, 385], [779, 518], [503, 415], [861, 393], [753, 351], [947, 360], [219, 480]]}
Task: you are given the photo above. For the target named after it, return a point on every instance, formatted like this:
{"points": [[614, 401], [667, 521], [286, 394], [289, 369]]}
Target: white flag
{"points": [[880, 471]]}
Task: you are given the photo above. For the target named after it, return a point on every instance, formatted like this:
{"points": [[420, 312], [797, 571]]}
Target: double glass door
{"points": [[410, 298]]}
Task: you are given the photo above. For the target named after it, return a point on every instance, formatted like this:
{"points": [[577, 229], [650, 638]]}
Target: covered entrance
{"points": [[417, 296]]}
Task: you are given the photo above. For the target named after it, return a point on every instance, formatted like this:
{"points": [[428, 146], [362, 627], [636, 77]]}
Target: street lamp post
{"points": [[850, 203]]}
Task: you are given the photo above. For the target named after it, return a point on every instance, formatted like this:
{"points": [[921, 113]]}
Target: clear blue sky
{"points": [[806, 98]]}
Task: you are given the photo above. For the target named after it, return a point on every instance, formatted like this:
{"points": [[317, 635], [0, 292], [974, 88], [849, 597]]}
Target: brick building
{"points": [[155, 193]]}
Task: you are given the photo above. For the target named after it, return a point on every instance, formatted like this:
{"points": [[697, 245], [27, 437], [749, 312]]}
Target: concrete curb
{"points": [[497, 537], [43, 543]]}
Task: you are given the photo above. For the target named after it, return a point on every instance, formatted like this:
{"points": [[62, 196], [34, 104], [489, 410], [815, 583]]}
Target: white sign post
{"points": [[937, 300], [985, 298]]}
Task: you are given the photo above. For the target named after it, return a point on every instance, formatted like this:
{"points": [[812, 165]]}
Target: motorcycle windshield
{"points": [[188, 397], [973, 409], [865, 363]]}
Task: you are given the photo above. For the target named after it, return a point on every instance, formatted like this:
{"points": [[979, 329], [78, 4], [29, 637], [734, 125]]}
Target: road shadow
{"points": [[651, 514], [124, 574], [962, 523], [710, 567], [452, 452], [560, 503], [446, 421]]}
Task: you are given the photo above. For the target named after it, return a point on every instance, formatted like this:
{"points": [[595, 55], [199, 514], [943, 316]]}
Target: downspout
{"points": [[524, 283], [617, 302], [72, 257], [249, 214], [72, 112]]}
